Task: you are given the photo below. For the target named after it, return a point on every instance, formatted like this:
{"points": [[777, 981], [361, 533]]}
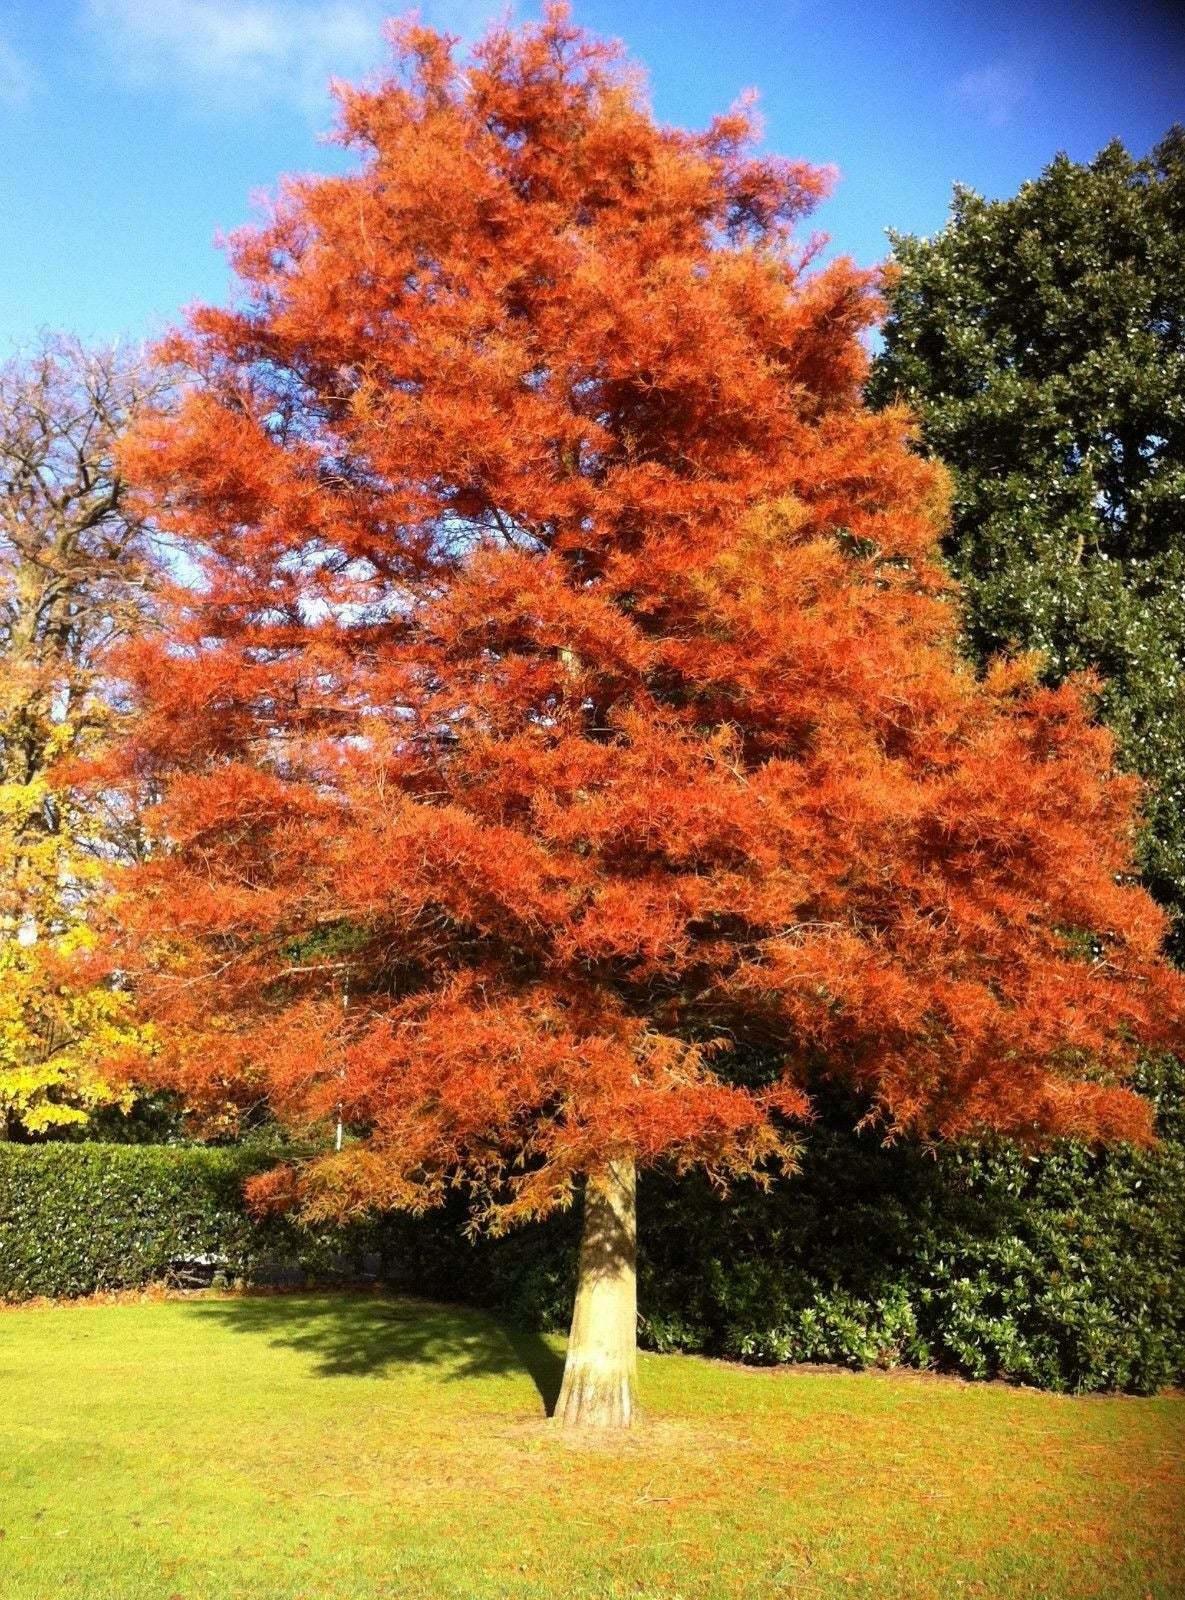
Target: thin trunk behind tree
{"points": [[600, 1373]]}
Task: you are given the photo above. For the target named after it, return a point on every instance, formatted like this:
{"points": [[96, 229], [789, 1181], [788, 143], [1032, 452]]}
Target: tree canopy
{"points": [[572, 686]]}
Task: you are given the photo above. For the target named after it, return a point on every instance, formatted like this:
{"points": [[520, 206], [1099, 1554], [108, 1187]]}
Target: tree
{"points": [[75, 556], [1041, 341], [565, 756]]}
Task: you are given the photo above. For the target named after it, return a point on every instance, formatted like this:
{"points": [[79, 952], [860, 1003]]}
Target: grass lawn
{"points": [[356, 1446]]}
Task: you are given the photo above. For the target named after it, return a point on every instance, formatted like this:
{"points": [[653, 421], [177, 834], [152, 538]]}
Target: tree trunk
{"points": [[601, 1368]]}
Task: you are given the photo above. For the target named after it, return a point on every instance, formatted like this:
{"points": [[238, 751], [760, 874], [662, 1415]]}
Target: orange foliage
{"points": [[572, 676]]}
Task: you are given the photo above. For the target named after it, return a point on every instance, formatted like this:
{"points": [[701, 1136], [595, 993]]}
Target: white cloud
{"points": [[241, 51], [18, 80], [992, 93]]}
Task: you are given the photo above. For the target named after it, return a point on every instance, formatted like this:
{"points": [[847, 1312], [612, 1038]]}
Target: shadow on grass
{"points": [[359, 1336]]}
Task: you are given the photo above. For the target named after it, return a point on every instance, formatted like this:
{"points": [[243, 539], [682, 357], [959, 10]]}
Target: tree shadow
{"points": [[352, 1335]]}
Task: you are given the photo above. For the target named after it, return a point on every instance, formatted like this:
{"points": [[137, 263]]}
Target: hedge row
{"points": [[80, 1218], [1063, 1271]]}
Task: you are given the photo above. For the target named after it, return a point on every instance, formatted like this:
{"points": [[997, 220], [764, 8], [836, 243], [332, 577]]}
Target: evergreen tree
{"points": [[1041, 341]]}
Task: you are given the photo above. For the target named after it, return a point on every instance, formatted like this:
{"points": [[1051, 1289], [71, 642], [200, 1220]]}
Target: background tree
{"points": [[571, 686], [1041, 341], [75, 560]]}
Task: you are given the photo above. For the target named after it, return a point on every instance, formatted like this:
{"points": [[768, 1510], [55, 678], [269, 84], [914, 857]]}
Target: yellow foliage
{"points": [[57, 1041], [58, 1037]]}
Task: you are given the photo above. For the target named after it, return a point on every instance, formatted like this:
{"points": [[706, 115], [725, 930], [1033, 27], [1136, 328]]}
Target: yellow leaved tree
{"points": [[77, 564]]}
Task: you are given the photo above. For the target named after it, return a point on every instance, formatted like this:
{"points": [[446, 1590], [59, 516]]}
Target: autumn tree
{"points": [[566, 758], [75, 559], [1041, 341]]}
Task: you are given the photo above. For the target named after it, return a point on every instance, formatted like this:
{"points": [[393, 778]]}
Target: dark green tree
{"points": [[1041, 341]]}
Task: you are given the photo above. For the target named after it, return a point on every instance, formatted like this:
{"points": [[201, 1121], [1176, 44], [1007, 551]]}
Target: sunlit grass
{"points": [[354, 1447]]}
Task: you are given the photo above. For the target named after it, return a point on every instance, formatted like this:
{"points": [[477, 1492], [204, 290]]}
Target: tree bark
{"points": [[600, 1372]]}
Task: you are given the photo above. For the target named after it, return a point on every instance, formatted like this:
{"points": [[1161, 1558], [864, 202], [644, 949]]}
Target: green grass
{"points": [[355, 1446]]}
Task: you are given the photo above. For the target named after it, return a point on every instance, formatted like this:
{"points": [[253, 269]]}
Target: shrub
{"points": [[77, 1218]]}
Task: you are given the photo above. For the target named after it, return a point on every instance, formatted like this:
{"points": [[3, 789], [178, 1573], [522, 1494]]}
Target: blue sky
{"points": [[132, 130]]}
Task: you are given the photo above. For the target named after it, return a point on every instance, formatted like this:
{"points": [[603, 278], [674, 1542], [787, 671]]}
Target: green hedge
{"points": [[79, 1218], [1063, 1271]]}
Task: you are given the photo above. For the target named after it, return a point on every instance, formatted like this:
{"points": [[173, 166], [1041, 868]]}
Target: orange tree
{"points": [[571, 687]]}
